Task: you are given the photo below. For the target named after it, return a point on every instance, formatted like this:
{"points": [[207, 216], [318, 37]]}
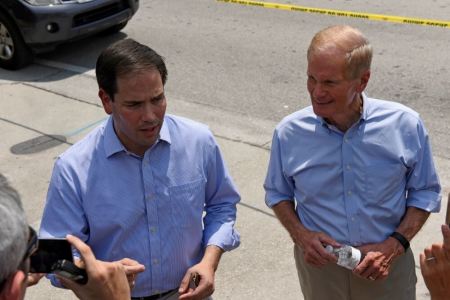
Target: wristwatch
{"points": [[401, 239]]}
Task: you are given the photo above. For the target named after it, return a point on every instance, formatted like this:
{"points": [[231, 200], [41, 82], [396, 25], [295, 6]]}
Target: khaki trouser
{"points": [[337, 283]]}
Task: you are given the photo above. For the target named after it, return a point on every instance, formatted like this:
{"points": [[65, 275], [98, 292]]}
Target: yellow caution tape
{"points": [[342, 13]]}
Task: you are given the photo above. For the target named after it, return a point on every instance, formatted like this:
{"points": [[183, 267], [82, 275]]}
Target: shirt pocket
{"points": [[187, 201], [384, 183]]}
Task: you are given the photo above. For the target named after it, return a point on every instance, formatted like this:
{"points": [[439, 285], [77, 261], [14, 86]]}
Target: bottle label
{"points": [[348, 257]]}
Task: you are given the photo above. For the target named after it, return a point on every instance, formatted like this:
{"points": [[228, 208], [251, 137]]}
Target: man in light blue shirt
{"points": [[145, 185], [351, 170]]}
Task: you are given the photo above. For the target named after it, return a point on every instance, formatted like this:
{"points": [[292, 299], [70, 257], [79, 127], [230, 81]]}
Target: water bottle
{"points": [[348, 257]]}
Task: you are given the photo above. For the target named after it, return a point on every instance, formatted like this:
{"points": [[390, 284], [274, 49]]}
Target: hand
{"points": [[33, 278], [312, 243], [132, 268], [435, 271], [205, 286], [106, 280], [379, 258]]}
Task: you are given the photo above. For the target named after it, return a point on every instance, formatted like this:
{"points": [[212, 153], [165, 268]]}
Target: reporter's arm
{"points": [[435, 267], [106, 280], [34, 278], [132, 269]]}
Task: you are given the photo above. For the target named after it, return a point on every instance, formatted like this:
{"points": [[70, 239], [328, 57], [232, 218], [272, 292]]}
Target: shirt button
{"points": [[349, 193], [152, 229], [346, 140], [348, 167], [155, 261]]}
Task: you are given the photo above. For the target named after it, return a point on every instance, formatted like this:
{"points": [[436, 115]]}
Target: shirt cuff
{"points": [[273, 198], [426, 200], [223, 236]]}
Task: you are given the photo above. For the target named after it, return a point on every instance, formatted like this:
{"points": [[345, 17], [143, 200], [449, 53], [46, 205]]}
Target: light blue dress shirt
{"points": [[162, 209], [354, 186]]}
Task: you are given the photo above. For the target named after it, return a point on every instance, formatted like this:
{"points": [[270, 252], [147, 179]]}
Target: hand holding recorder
{"points": [[54, 256], [99, 280], [106, 280]]}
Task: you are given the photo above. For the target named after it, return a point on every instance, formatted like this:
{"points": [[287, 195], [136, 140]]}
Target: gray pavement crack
{"points": [[61, 94], [50, 136], [257, 209], [263, 146]]}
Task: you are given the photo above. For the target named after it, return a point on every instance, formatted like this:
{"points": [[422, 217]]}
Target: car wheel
{"points": [[14, 53]]}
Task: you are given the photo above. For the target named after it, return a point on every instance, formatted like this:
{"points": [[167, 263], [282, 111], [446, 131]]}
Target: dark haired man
{"points": [[360, 171], [146, 185]]}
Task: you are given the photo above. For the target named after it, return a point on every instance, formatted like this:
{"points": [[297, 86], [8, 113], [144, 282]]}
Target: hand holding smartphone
{"points": [[69, 270], [54, 256]]}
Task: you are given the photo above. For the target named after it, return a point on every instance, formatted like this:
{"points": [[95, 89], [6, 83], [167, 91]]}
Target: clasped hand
{"points": [[378, 259]]}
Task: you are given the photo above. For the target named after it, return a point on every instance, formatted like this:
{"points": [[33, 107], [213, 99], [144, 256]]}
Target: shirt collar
{"points": [[113, 145], [164, 133], [364, 114]]}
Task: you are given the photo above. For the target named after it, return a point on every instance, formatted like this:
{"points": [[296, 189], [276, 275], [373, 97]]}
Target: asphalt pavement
{"points": [[45, 109], [238, 69]]}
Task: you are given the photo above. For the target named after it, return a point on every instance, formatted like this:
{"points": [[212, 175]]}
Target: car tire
{"points": [[14, 53], [116, 28]]}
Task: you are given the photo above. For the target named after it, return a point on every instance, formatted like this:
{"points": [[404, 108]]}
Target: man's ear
{"points": [[364, 80], [106, 101], [15, 286]]}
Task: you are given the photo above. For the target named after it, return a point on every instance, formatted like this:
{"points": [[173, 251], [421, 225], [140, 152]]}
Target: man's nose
{"points": [[319, 91], [148, 113]]}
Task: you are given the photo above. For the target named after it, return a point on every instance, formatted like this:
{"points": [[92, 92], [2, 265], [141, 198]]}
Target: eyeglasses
{"points": [[32, 246], [33, 243]]}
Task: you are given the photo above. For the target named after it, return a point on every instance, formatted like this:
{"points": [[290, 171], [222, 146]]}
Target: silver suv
{"points": [[35, 26]]}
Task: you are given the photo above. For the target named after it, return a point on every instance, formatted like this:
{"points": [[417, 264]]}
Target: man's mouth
{"points": [[322, 102], [149, 129]]}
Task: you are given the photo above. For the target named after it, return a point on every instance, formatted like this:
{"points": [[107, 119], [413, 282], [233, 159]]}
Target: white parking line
{"points": [[67, 67]]}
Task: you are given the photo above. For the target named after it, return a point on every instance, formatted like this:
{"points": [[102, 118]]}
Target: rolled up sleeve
{"points": [[423, 187], [220, 205], [277, 185]]}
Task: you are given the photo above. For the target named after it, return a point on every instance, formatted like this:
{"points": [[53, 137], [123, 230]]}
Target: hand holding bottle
{"points": [[347, 256]]}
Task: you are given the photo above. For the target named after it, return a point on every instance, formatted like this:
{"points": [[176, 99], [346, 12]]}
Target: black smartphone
{"points": [[69, 270], [49, 252]]}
